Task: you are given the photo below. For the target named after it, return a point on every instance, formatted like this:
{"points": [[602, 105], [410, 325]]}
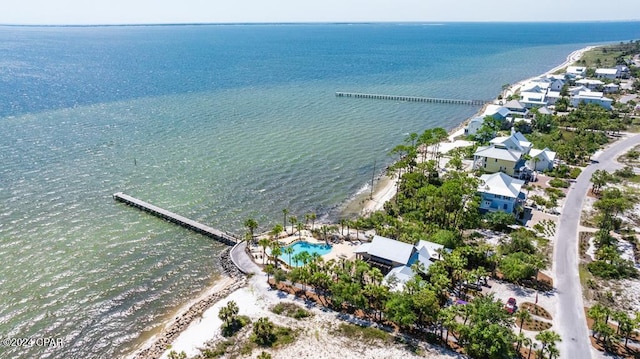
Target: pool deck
{"points": [[343, 250]]}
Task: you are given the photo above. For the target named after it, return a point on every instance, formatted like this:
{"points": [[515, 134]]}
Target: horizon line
{"points": [[318, 23]]}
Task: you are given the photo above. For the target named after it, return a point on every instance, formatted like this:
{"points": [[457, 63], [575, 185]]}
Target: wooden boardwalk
{"points": [[176, 218], [411, 98]]}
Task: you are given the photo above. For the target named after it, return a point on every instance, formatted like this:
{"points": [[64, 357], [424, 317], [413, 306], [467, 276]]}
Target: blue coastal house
{"points": [[500, 192]]}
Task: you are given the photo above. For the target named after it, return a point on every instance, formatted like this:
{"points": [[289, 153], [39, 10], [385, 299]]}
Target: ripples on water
{"points": [[78, 266]]}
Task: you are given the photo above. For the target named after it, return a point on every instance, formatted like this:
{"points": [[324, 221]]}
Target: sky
{"points": [[93, 12]]}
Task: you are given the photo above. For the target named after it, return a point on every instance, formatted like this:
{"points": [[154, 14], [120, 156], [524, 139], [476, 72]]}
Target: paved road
{"points": [[242, 260], [572, 324]]}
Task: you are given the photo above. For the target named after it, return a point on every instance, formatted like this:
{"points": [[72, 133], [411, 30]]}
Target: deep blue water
{"points": [[217, 123]]}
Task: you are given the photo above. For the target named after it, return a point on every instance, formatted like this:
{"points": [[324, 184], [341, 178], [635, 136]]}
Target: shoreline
{"points": [[229, 281], [384, 186], [228, 285]]}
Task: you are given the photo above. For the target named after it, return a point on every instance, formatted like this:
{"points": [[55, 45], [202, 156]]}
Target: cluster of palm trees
{"points": [[605, 332], [482, 327]]}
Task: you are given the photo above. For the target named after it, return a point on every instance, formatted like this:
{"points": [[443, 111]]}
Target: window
{"points": [[496, 160], [504, 206]]}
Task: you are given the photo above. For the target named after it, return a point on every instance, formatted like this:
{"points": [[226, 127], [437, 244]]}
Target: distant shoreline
{"points": [[384, 186]]}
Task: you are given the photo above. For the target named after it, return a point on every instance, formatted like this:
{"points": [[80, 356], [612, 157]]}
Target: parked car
{"points": [[510, 307]]}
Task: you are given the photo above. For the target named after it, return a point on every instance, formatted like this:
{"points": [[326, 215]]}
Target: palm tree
{"points": [[520, 341], [522, 315], [285, 212], [263, 330], [313, 217], [276, 251], [293, 220], [343, 223], [251, 225], [264, 243], [299, 227], [289, 250], [275, 231], [548, 338], [324, 229]]}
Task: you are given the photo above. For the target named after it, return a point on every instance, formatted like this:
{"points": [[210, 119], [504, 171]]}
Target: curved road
{"points": [[572, 325]]}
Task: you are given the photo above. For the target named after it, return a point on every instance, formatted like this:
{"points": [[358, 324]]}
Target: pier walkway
{"points": [[374, 96], [177, 219]]}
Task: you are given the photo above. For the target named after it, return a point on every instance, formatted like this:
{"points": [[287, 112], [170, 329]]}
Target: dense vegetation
{"points": [[611, 203]]}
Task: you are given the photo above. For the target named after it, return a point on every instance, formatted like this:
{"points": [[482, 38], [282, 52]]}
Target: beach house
{"points": [[540, 160], [473, 126], [610, 74], [396, 259], [504, 154], [588, 97], [500, 192], [576, 71]]}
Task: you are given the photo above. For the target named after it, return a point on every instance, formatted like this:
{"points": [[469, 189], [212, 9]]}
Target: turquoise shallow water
{"points": [[299, 247], [216, 123]]}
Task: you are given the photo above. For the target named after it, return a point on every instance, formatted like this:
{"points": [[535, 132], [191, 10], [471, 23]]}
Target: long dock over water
{"points": [[374, 96], [176, 218]]}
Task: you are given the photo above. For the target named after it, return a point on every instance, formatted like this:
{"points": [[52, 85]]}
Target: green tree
{"points": [[488, 130], [522, 316], [251, 224], [263, 331], [399, 309], [276, 251], [275, 231], [264, 355], [175, 355], [264, 243], [289, 250], [599, 178], [488, 334], [293, 220], [548, 338], [285, 212], [299, 228]]}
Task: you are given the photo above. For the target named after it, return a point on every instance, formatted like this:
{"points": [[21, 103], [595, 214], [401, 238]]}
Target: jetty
{"points": [[374, 96], [177, 219]]}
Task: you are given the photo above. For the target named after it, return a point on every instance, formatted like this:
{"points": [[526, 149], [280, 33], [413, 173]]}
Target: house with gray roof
{"points": [[500, 192], [396, 258]]}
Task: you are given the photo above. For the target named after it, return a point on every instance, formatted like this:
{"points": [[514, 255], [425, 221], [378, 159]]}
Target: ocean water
{"points": [[217, 123]]}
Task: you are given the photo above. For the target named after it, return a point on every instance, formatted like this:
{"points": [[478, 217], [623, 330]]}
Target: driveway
{"points": [[572, 325]]}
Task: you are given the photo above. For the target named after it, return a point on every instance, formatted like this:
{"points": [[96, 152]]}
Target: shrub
{"points": [[559, 183], [499, 221], [575, 172]]}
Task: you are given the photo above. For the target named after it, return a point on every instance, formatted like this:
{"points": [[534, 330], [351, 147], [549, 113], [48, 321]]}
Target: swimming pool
{"points": [[299, 247]]}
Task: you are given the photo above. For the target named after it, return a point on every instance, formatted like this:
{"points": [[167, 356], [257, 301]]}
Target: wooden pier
{"points": [[374, 96], [176, 218]]}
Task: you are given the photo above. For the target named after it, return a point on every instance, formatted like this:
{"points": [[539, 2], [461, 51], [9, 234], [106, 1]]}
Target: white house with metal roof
{"points": [[541, 159], [398, 257], [575, 71], [500, 192], [611, 74], [591, 97]]}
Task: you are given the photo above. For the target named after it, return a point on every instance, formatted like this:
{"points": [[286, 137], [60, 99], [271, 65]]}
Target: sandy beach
{"points": [[254, 298]]}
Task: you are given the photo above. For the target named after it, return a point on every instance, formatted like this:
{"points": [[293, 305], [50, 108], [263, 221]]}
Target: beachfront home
{"points": [[496, 111], [504, 154], [610, 74], [492, 159], [541, 159], [611, 88], [396, 258], [473, 126], [623, 71], [500, 192], [533, 96], [591, 97], [516, 141], [575, 71], [590, 84], [516, 108], [552, 97]]}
